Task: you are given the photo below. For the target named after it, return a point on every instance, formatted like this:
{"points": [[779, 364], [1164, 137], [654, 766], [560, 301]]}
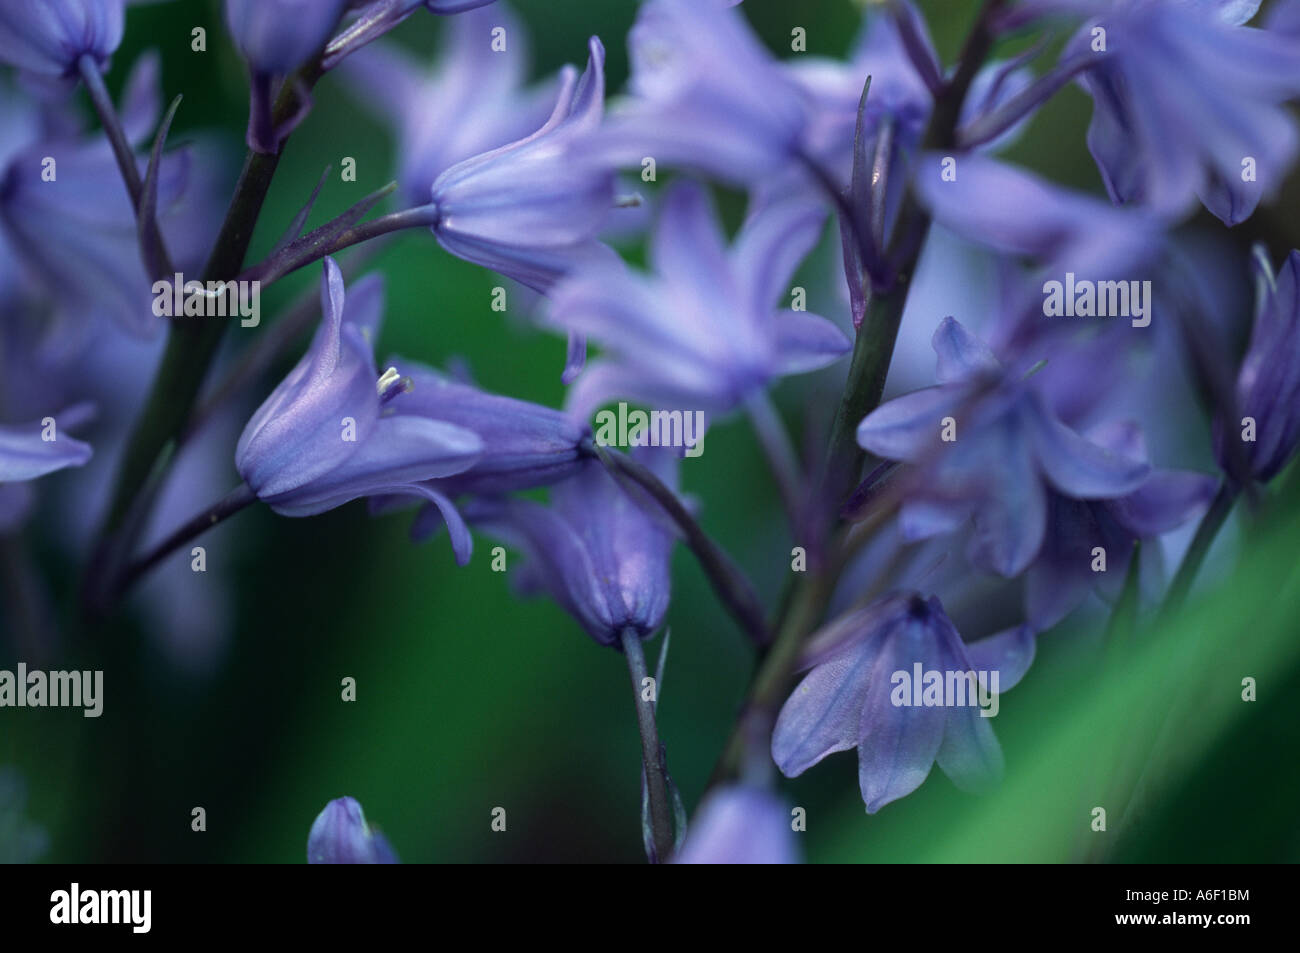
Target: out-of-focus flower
{"points": [[706, 95], [986, 201], [472, 101], [898, 105], [704, 330], [1066, 567], [1268, 385], [340, 835], [531, 210], [26, 454], [740, 824], [1188, 102], [67, 218], [78, 232], [1005, 451], [597, 551], [335, 430], [278, 36], [48, 37], [863, 692]]}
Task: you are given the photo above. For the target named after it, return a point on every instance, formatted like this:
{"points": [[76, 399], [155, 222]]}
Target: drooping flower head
{"points": [[704, 330], [340, 835], [989, 449], [1188, 102], [471, 101], [532, 209], [335, 429], [278, 36], [48, 37], [896, 681], [597, 550]]}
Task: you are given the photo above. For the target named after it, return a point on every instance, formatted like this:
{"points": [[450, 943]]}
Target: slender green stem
{"points": [[191, 347], [1206, 533], [773, 680], [872, 353], [729, 583], [661, 810], [236, 500], [312, 251], [781, 458], [873, 350]]}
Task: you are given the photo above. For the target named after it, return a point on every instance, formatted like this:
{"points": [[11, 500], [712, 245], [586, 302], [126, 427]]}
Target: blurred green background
{"points": [[469, 699]]}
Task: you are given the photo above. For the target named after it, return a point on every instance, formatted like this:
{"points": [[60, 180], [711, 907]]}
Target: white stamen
{"points": [[387, 380]]}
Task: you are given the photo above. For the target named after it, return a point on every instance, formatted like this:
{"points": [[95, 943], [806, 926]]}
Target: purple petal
{"points": [[24, 455], [897, 744], [962, 356], [740, 825], [908, 428], [1167, 500], [823, 713], [808, 342], [1009, 653], [1077, 467]]}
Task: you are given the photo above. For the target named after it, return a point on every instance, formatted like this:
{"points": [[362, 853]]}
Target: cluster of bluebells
{"points": [[1035, 465]]}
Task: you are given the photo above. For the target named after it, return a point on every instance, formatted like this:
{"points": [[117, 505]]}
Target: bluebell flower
{"points": [[472, 101], [278, 36], [48, 37], [335, 430], [532, 209], [740, 824], [1065, 570], [706, 95], [1268, 384], [1008, 450], [863, 692], [1189, 103], [599, 552], [340, 835], [705, 329]]}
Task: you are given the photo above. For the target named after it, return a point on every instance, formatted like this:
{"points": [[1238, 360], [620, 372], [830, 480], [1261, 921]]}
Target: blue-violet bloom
{"points": [[532, 209], [340, 835], [1006, 449], [740, 824], [597, 550], [335, 430], [862, 692], [704, 330]]}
